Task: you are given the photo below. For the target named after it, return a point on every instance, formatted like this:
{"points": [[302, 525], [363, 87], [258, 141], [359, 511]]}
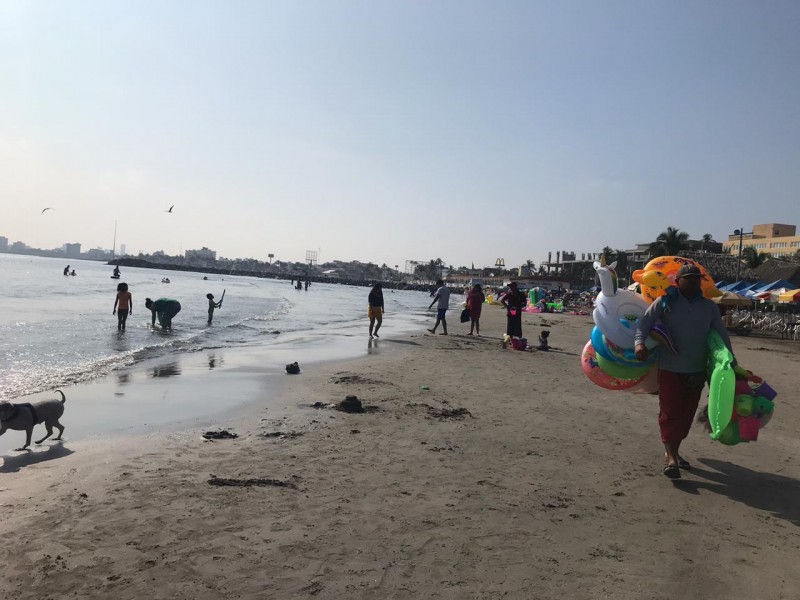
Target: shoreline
{"points": [[511, 475]]}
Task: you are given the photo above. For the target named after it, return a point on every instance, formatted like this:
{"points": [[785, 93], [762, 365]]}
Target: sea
{"points": [[58, 330]]}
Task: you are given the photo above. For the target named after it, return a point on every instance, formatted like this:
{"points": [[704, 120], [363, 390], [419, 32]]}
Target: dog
{"points": [[25, 416]]}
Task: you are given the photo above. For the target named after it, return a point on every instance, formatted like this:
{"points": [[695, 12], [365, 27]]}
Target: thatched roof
{"points": [[775, 269]]}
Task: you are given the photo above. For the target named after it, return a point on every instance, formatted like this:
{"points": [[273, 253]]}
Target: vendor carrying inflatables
{"points": [[688, 316]]}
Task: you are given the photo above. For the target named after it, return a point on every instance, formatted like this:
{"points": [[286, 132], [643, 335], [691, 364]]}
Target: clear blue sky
{"points": [[386, 131]]}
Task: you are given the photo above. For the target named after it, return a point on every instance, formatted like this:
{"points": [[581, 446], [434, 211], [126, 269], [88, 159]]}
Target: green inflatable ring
{"points": [[620, 371]]}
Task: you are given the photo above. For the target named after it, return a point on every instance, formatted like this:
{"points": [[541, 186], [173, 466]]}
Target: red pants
{"points": [[678, 396]]}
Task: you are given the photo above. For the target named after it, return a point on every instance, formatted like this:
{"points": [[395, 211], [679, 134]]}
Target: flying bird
{"points": [[170, 209], [46, 209]]}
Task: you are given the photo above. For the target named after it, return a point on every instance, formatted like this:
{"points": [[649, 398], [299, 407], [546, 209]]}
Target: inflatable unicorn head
{"points": [[607, 276]]}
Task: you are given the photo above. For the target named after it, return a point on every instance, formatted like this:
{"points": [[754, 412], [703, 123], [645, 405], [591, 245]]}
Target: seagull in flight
{"points": [[46, 209], [170, 209]]}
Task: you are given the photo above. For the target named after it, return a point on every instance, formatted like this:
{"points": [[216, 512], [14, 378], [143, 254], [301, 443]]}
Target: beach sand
{"points": [[546, 487]]}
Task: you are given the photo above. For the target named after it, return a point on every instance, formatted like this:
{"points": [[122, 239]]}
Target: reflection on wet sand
{"points": [[372, 347], [168, 370], [123, 378], [214, 362]]}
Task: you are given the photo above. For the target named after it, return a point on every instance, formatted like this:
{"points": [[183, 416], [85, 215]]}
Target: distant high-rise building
{"points": [[3, 244], [123, 250], [72, 250]]}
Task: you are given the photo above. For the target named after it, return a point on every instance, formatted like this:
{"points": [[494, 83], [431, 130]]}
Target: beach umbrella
{"points": [[732, 299], [790, 296]]}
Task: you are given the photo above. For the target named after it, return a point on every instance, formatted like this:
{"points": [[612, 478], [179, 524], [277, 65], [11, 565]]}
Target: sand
{"points": [[543, 486]]}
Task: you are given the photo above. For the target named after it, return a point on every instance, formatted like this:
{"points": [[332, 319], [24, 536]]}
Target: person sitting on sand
{"points": [[544, 340]]}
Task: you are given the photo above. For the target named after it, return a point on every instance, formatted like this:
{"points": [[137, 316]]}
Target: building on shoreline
{"points": [[776, 239]]}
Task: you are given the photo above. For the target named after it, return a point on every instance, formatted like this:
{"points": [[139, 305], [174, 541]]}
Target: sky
{"points": [[392, 131]]}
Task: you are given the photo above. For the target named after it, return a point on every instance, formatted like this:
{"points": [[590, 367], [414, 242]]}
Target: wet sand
{"points": [[510, 476]]}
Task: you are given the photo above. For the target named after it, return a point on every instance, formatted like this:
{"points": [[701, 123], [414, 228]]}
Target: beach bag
{"points": [[465, 315], [519, 343]]}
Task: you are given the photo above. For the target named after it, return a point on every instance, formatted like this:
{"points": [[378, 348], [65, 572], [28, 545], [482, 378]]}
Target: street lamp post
{"points": [[741, 233]]}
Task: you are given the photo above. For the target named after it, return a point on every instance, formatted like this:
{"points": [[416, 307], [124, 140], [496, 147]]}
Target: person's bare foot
{"points": [[443, 333], [433, 331], [470, 333]]}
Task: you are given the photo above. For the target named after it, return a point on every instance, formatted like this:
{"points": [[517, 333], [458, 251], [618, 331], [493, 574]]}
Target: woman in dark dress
{"points": [[514, 302]]}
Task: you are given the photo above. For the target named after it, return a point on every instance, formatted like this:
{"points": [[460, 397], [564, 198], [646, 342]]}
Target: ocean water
{"points": [[57, 330]]}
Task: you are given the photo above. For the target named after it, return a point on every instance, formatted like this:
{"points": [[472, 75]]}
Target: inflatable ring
{"points": [[596, 374], [612, 352], [618, 371], [660, 273]]}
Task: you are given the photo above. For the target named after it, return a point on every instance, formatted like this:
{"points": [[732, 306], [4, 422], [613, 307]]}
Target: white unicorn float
{"points": [[617, 312]]}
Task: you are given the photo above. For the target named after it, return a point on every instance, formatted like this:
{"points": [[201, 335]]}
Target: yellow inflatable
{"points": [[659, 274]]}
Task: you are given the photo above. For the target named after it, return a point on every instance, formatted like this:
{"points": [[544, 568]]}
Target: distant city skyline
{"points": [[393, 130]]}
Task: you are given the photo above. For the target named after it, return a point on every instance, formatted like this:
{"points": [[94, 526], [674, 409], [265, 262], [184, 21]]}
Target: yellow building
{"points": [[775, 239]]}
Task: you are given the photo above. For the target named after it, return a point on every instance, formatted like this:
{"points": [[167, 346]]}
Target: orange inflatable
{"points": [[659, 274]]}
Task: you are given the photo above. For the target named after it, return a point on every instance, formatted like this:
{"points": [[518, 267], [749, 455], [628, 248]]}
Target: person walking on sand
{"points": [[475, 300], [514, 302], [163, 308], [688, 317], [123, 306], [442, 296], [375, 310], [211, 306]]}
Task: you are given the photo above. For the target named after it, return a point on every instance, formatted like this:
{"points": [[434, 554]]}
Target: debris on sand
{"points": [[284, 435], [260, 482], [351, 404], [220, 435], [443, 413], [449, 413], [293, 368]]}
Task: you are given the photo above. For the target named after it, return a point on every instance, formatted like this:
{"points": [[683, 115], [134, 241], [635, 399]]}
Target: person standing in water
{"points": [[66, 271], [163, 308], [123, 306], [375, 310], [211, 306]]}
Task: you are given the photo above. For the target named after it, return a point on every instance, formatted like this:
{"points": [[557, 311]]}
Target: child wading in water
{"points": [[125, 302], [211, 306]]}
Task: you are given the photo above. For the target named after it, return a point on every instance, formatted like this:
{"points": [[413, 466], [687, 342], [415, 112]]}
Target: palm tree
{"points": [[529, 264], [707, 238], [669, 242], [753, 258]]}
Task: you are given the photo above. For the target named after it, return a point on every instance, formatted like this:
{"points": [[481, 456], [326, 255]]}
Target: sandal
{"points": [[684, 464], [672, 471]]}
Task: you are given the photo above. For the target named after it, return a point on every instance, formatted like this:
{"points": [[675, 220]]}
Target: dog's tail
{"points": [[63, 397]]}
